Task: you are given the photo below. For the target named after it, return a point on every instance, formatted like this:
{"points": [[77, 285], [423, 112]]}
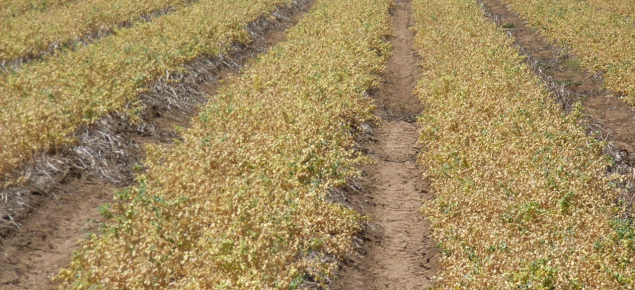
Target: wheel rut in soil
{"points": [[58, 217], [398, 252], [606, 113]]}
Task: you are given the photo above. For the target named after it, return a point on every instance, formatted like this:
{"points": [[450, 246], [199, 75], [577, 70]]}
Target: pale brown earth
{"points": [[396, 249], [52, 220]]}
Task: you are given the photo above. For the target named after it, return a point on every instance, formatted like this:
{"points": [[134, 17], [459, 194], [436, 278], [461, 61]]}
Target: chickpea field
{"points": [[317, 144]]}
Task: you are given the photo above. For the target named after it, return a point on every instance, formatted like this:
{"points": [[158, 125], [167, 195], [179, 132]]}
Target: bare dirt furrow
{"points": [[399, 252], [60, 211]]}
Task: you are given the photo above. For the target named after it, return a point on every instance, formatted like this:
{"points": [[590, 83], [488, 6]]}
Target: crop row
{"points": [[624, 7], [12, 8], [602, 39], [242, 202], [33, 32], [46, 101], [522, 199]]}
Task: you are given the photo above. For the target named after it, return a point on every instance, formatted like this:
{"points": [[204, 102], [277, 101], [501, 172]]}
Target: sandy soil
{"points": [[397, 251]]}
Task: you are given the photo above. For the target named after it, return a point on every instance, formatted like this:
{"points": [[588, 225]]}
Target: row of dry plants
{"points": [[13, 8], [243, 201], [30, 34], [522, 198], [600, 33], [624, 7], [46, 101]]}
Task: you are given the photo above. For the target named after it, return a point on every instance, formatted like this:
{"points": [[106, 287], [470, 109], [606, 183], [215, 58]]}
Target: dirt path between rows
{"points": [[60, 216], [399, 252]]}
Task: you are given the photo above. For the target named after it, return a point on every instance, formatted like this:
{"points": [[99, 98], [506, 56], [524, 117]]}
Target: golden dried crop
{"points": [[522, 201], [242, 202], [603, 40], [46, 101], [624, 7], [12, 8], [34, 32]]}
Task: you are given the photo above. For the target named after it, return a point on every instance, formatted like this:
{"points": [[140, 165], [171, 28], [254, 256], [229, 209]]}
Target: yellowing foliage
{"points": [[34, 31], [12, 8], [624, 7], [605, 41], [522, 201], [241, 203], [43, 103]]}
